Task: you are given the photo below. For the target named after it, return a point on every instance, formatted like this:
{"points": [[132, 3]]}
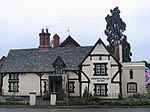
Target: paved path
{"points": [[76, 110]]}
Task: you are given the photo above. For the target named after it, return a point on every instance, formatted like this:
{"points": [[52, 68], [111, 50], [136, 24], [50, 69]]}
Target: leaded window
{"points": [[58, 70], [13, 87], [131, 87], [13, 82], [101, 89], [71, 87], [100, 69]]}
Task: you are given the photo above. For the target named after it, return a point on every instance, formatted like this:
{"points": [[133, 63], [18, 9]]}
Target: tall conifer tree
{"points": [[114, 32]]}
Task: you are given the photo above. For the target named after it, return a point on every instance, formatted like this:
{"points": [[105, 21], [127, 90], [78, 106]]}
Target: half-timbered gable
{"points": [[101, 72]]}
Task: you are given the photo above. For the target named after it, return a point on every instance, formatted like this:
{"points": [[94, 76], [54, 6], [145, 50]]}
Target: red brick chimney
{"points": [[44, 40], [56, 40], [118, 51]]}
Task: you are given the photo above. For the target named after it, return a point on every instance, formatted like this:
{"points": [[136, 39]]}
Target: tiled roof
{"points": [[34, 60], [69, 39]]}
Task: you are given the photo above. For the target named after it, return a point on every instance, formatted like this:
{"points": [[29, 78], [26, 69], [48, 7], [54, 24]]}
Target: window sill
{"points": [[71, 91], [100, 74], [13, 91], [101, 95]]}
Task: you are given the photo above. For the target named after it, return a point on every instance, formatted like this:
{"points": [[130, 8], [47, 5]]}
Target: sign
{"points": [[102, 79]]}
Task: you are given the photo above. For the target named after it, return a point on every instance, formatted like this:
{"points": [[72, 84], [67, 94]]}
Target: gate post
{"points": [[53, 98], [32, 98]]}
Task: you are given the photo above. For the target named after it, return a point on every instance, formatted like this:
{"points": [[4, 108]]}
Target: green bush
{"points": [[12, 98], [46, 95], [137, 95], [86, 93]]}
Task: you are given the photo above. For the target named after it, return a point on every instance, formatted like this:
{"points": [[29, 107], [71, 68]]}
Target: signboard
{"points": [[102, 79]]}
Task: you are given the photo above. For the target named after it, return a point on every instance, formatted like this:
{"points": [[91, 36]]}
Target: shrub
{"points": [[46, 95], [86, 93], [137, 95]]}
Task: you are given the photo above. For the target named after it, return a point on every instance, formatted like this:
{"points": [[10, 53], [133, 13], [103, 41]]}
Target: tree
{"points": [[114, 32]]}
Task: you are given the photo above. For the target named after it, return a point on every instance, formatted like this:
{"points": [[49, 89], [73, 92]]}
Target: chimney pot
{"points": [[46, 30], [44, 40], [42, 30], [56, 40]]}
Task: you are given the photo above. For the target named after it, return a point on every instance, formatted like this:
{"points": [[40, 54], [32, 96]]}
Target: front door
{"points": [[55, 84]]}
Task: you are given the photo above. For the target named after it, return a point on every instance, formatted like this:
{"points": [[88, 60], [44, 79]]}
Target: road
{"points": [[76, 110]]}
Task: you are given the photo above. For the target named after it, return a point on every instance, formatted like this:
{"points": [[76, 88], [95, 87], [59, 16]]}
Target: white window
{"points": [[100, 69], [13, 82], [103, 69], [13, 87], [13, 76], [101, 89]]}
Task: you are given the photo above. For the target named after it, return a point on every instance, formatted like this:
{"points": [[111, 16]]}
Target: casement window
{"points": [[58, 70], [71, 87], [100, 89], [13, 82], [100, 69], [13, 87], [131, 74], [131, 87], [59, 64], [13, 76]]}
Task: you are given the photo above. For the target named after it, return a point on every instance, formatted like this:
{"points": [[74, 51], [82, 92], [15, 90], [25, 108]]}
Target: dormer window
{"points": [[58, 70], [59, 64]]}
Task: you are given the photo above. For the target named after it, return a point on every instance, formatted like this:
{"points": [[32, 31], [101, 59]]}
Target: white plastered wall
{"points": [[113, 88], [28, 82], [73, 77], [138, 76]]}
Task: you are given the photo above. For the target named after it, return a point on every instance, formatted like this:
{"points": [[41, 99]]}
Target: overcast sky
{"points": [[21, 22]]}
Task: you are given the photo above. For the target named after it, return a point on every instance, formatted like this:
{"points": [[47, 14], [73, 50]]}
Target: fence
{"points": [[45, 100]]}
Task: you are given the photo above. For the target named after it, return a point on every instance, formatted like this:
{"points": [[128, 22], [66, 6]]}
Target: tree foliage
{"points": [[114, 32]]}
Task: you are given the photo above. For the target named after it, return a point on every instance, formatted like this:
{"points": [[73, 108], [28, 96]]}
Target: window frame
{"points": [[58, 70], [129, 87], [13, 87], [101, 93], [72, 90], [14, 76], [100, 69], [13, 82]]}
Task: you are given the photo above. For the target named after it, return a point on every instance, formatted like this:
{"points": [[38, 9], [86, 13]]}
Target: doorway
{"points": [[55, 83]]}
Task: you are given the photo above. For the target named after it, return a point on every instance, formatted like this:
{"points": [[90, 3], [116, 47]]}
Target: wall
{"points": [[88, 69], [28, 82], [73, 77], [138, 76]]}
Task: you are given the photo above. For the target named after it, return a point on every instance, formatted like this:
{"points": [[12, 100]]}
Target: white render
{"points": [[113, 88], [28, 82], [138, 76]]}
